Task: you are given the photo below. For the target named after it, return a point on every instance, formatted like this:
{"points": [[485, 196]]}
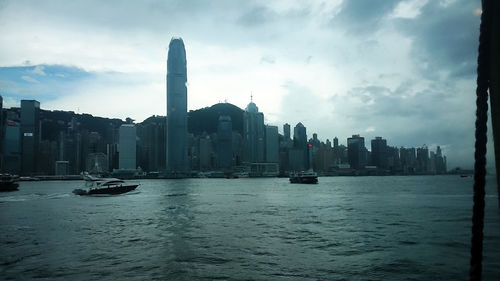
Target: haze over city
{"points": [[404, 70]]}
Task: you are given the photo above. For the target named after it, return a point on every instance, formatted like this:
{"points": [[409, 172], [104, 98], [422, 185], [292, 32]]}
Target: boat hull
{"points": [[306, 180], [107, 190], [11, 186]]}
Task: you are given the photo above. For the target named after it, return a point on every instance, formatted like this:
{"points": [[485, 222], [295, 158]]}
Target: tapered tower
{"points": [[177, 158]]}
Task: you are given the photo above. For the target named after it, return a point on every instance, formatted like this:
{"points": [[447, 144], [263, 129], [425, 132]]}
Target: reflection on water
{"points": [[366, 228]]}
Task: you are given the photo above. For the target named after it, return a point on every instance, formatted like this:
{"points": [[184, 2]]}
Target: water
{"points": [[344, 228]]}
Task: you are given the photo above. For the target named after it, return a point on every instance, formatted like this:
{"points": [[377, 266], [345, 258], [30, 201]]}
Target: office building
{"points": [[299, 154], [272, 144], [127, 147], [356, 152], [379, 153], [177, 142], [253, 134], [30, 136], [224, 142]]}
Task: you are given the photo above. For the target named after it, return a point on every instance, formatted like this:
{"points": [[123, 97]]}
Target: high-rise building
{"points": [[177, 154], [356, 152], [12, 148], [205, 148], [408, 160], [225, 142], [379, 152], [299, 154], [422, 159], [440, 162], [30, 135], [272, 144], [286, 131], [2, 134], [127, 147], [253, 131]]}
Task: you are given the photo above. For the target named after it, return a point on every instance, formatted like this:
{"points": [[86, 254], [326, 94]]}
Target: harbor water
{"points": [[344, 228]]}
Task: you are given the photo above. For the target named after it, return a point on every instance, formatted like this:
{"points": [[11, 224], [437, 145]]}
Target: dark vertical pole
{"points": [[495, 84], [483, 76]]}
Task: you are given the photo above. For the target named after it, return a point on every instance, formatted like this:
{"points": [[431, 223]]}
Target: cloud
{"points": [[257, 16], [402, 68], [268, 59], [408, 9], [444, 39], [361, 17], [39, 70], [29, 79]]}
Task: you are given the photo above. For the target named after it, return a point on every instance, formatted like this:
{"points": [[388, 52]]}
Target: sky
{"points": [[400, 69]]}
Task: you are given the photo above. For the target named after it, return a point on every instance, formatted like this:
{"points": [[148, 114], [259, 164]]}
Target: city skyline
{"points": [[45, 142], [333, 66]]}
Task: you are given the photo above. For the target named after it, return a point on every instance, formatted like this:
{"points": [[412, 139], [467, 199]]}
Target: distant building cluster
{"points": [[222, 140], [41, 142]]}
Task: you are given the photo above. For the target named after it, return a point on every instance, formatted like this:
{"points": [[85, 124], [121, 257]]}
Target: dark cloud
{"points": [[360, 17], [405, 114], [257, 16], [444, 38]]}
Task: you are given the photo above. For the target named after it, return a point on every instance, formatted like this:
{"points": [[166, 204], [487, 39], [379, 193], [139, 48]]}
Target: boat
{"points": [[8, 182], [104, 186], [304, 177]]}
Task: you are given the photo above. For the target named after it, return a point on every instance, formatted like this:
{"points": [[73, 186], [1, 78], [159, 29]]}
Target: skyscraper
{"points": [[298, 155], [286, 131], [356, 151], [422, 159], [379, 152], [225, 142], [30, 135], [177, 156], [272, 144], [127, 147], [253, 134]]}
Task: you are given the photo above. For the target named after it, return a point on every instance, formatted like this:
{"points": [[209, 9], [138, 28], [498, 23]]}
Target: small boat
{"points": [[8, 182], [104, 186], [304, 177]]}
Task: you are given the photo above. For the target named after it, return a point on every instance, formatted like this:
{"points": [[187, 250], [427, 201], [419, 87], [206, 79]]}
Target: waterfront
{"points": [[351, 228]]}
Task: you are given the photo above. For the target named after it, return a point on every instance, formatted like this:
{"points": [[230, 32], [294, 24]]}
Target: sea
{"points": [[344, 228]]}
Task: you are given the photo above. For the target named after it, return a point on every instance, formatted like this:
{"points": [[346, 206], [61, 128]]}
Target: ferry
{"points": [[310, 177]]}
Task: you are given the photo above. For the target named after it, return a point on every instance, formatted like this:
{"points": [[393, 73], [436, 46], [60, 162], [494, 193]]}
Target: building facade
{"points": [[253, 131], [127, 147], [224, 142], [356, 152], [30, 136], [177, 142]]}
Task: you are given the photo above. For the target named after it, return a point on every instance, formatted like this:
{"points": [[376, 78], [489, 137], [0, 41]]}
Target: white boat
{"points": [[110, 186]]}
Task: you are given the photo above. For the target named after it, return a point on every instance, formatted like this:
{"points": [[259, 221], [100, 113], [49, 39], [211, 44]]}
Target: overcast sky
{"points": [[403, 70]]}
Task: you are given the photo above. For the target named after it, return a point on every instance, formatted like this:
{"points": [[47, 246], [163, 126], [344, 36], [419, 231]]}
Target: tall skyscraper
{"points": [[422, 159], [356, 151], [298, 156], [2, 135], [253, 131], [127, 147], [379, 152], [177, 156], [286, 131], [272, 144], [225, 142], [30, 135]]}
